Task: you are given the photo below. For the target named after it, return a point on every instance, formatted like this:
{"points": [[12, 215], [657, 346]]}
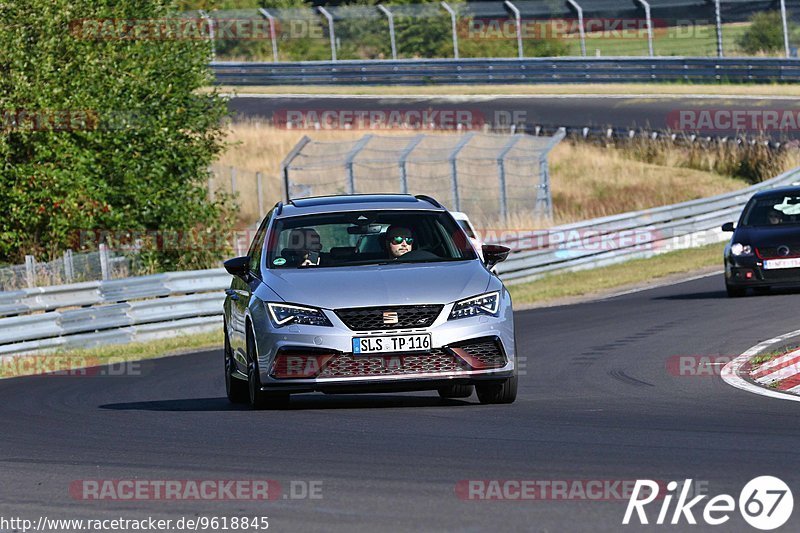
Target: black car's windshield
{"points": [[773, 210], [366, 238]]}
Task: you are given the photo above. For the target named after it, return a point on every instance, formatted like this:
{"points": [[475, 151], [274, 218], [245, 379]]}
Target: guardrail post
{"points": [[785, 28], [105, 271], [581, 31], [402, 161], [30, 271], [260, 193], [69, 267], [649, 23], [718, 17], [454, 167], [453, 23], [288, 161], [348, 162], [518, 18], [205, 16], [331, 31], [272, 33], [501, 174], [389, 16]]}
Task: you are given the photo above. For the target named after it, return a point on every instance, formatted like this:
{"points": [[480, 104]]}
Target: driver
{"points": [[305, 243], [399, 241], [775, 217]]}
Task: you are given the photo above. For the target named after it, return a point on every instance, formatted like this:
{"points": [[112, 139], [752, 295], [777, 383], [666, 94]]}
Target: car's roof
{"points": [[358, 202], [778, 191]]}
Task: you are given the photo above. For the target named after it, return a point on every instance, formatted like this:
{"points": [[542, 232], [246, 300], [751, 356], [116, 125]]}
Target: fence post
{"points": [[233, 181], [501, 174], [718, 16], [210, 187], [272, 35], [785, 28], [205, 16], [544, 199], [391, 29], [518, 18], [649, 23], [30, 271], [330, 30], [288, 161], [454, 168], [260, 193], [105, 271], [453, 23], [402, 161], [581, 30], [348, 162], [69, 267]]}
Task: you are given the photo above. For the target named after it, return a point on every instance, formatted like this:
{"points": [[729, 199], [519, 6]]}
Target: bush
{"points": [[764, 35], [135, 137]]}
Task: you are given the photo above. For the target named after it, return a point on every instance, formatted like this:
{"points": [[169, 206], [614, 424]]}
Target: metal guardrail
{"points": [[648, 232], [162, 305], [510, 70]]}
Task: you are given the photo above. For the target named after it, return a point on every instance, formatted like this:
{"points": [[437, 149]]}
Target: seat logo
{"points": [[390, 317], [783, 250]]}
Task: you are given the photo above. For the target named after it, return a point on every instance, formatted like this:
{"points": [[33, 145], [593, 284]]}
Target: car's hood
{"points": [[373, 285], [768, 236]]}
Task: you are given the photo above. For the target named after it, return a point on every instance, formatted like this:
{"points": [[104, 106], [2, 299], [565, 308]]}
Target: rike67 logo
{"points": [[765, 503]]}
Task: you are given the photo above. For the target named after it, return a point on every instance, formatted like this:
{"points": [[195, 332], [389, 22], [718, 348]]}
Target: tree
{"points": [[105, 129], [765, 34]]}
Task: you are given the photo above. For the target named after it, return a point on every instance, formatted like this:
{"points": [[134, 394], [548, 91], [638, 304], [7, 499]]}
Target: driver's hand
{"points": [[308, 262]]}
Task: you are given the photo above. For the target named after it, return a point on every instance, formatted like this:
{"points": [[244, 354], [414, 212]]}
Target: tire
{"points": [[456, 391], [235, 389], [258, 398], [735, 292], [505, 392]]}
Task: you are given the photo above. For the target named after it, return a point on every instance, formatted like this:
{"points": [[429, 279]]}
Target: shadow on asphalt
{"points": [[720, 295], [298, 402]]}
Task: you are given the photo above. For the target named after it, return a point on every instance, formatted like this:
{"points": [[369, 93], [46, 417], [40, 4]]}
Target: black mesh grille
{"points": [[372, 318], [433, 362], [487, 351], [771, 252]]}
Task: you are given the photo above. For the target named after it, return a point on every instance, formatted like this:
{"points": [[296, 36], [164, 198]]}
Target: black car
{"points": [[764, 251]]}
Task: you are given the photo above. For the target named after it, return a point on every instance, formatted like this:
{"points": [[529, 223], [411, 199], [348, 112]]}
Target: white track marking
{"points": [[730, 372], [489, 97]]}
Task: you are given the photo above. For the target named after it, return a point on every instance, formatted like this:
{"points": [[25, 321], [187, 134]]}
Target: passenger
{"points": [[399, 241], [775, 217]]}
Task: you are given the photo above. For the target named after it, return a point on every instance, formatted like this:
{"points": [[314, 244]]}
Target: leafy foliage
{"points": [[120, 137]]}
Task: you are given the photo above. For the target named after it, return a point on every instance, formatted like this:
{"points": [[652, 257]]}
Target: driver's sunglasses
{"points": [[399, 240]]}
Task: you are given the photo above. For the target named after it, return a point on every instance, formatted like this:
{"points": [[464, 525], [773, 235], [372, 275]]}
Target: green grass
{"points": [[586, 282], [762, 358], [65, 360]]}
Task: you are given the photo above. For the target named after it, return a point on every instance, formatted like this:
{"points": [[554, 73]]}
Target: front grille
{"points": [[771, 252], [481, 353], [372, 318], [434, 362]]}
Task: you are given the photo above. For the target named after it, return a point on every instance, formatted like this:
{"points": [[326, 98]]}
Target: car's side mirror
{"points": [[493, 254], [239, 267], [728, 226]]}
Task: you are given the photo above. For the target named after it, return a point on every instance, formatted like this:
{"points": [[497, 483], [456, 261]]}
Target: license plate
{"points": [[394, 343], [772, 264]]}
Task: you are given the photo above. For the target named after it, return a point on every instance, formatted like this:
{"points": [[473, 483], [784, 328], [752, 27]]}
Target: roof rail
{"points": [[428, 199], [279, 207]]}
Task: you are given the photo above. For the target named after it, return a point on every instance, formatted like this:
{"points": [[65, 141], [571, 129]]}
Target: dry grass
{"points": [[587, 180], [592, 181]]}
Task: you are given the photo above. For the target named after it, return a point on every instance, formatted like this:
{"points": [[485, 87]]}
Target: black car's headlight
{"points": [[484, 304], [286, 314], [740, 250]]}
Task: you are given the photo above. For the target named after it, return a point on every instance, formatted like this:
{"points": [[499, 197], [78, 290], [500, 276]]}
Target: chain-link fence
{"points": [[495, 179], [513, 28], [71, 268]]}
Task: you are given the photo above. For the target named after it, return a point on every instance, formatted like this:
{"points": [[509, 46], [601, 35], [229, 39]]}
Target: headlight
{"points": [[485, 304], [741, 249], [285, 314]]}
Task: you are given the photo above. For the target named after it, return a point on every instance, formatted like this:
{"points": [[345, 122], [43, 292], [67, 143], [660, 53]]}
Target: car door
{"points": [[240, 294]]}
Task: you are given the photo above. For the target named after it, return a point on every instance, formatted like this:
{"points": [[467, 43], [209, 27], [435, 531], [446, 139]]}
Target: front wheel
{"points": [[505, 392], [735, 292], [235, 389]]}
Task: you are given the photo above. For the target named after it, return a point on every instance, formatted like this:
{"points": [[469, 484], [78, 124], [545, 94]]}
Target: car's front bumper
{"points": [[337, 369], [749, 271]]}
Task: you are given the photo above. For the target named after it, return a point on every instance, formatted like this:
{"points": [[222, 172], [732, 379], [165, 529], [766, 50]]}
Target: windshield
{"points": [[365, 238], [772, 211]]}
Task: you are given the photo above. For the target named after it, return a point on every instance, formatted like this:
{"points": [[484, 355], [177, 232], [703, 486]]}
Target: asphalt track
{"points": [[596, 403], [637, 112]]}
